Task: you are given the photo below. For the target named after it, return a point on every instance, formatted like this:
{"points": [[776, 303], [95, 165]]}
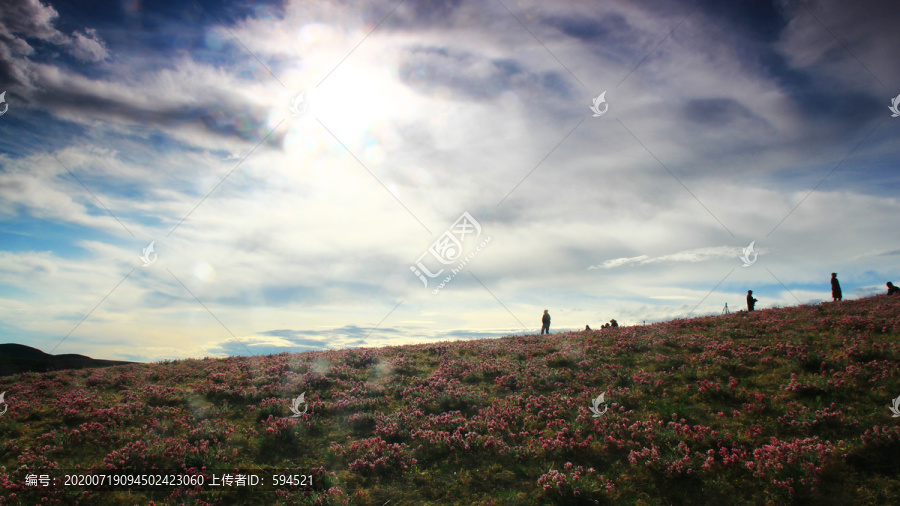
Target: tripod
{"points": [[725, 310]]}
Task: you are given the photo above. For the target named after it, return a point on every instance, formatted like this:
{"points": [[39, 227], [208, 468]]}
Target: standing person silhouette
{"points": [[835, 288], [545, 321], [751, 302]]}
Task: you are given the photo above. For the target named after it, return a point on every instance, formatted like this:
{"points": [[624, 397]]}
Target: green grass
{"points": [[494, 421]]}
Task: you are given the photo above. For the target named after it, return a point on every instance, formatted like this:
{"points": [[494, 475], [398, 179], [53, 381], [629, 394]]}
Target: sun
{"points": [[360, 105], [353, 100]]}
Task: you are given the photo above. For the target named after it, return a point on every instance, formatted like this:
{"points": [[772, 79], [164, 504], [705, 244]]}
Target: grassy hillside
{"points": [[777, 406]]}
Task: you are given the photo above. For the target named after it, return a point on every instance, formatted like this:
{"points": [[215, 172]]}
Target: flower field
{"points": [[779, 406]]}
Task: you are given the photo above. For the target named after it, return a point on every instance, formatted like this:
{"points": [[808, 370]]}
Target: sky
{"points": [[207, 179]]}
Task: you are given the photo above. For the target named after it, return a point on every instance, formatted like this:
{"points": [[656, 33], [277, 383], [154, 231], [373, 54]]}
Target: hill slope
{"points": [[776, 406], [18, 358]]}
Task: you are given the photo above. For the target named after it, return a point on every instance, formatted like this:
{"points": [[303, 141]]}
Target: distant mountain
{"points": [[18, 358]]}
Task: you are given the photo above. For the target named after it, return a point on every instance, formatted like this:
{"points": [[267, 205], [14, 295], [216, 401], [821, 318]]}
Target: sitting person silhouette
{"points": [[587, 327], [892, 290]]}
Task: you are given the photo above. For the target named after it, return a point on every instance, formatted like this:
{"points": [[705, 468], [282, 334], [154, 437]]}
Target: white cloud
{"points": [[302, 235], [694, 255], [618, 262], [87, 46], [31, 19]]}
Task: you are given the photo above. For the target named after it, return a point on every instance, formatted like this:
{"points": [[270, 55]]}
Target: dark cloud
{"points": [[29, 54], [347, 331], [753, 18], [431, 11], [476, 77], [28, 19], [220, 115], [27, 24], [714, 112], [416, 15], [609, 29], [300, 340], [236, 349]]}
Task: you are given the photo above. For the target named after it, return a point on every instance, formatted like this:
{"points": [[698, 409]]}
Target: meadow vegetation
{"points": [[778, 406]]}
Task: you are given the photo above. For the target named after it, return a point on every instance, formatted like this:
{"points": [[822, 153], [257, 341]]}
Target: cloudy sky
{"points": [[302, 168]]}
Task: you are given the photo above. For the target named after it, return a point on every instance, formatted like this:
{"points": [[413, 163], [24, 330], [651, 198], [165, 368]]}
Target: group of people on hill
{"points": [[836, 293], [545, 323], [612, 323]]}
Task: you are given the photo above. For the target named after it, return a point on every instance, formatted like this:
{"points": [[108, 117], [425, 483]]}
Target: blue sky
{"points": [[277, 229]]}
